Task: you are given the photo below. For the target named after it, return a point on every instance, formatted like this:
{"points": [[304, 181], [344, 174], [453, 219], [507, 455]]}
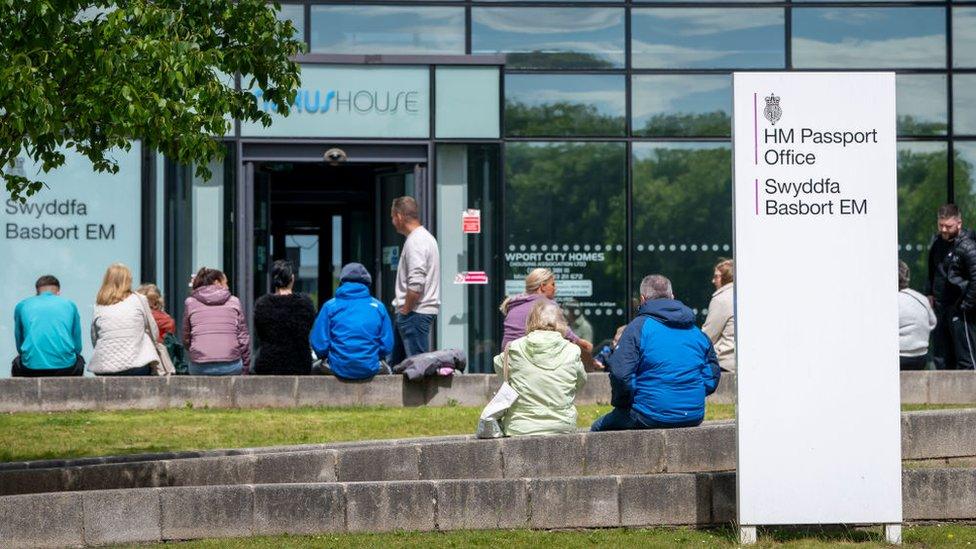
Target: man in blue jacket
{"points": [[353, 332], [663, 367]]}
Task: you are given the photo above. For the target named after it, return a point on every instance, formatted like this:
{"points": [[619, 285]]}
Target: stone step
{"points": [[150, 393], [179, 513], [929, 435]]}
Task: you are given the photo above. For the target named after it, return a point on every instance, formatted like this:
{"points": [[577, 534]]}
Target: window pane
{"points": [[296, 14], [965, 179], [551, 105], [868, 37], [921, 103], [964, 37], [468, 177], [467, 102], [707, 38], [922, 185], [551, 37], [964, 104], [682, 216], [387, 29], [565, 210], [682, 105]]}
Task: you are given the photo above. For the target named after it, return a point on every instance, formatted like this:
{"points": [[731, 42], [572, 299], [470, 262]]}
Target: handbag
{"points": [[164, 365], [489, 425]]}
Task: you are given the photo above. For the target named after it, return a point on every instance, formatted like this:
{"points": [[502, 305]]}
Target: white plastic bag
{"points": [[489, 425]]}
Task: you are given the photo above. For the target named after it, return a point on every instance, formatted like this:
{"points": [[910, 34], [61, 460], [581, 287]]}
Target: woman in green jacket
{"points": [[546, 371]]}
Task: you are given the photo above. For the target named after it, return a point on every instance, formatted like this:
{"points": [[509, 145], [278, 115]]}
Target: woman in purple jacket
{"points": [[214, 327], [539, 284]]}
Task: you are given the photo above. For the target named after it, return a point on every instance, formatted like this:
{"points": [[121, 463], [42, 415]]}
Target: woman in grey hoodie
{"points": [[214, 327]]}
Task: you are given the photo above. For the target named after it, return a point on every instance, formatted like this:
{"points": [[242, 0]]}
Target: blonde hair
{"points": [[546, 315], [724, 268], [152, 293], [533, 281], [116, 285]]}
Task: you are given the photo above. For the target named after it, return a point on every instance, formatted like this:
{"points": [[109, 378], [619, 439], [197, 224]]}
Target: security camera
{"points": [[335, 156]]}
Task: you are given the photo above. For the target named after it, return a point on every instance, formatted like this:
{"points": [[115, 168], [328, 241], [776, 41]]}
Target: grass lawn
{"points": [[915, 536], [29, 436]]}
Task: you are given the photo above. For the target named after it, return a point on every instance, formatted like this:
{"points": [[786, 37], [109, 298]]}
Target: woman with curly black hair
{"points": [[282, 321]]}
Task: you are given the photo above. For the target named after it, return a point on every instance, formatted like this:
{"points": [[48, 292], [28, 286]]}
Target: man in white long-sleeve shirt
{"points": [[418, 282]]}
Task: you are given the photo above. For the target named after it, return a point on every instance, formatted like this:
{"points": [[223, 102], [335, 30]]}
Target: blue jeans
{"points": [[620, 419], [232, 368], [412, 336]]}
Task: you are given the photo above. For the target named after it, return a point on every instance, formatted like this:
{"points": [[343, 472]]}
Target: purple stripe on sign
{"points": [[757, 196], [755, 131]]}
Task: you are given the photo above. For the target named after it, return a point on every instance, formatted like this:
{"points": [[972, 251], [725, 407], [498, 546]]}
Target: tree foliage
{"points": [[94, 75]]}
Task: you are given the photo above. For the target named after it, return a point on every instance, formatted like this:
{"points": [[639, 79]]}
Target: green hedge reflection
{"points": [[682, 198], [571, 194]]}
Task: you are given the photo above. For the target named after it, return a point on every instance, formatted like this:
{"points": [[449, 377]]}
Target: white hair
{"points": [[546, 315], [656, 286]]}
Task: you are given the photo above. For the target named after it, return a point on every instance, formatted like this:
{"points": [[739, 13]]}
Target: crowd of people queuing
{"points": [[661, 365], [352, 336]]}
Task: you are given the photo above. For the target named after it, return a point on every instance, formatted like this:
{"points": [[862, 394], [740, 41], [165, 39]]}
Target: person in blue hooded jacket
{"points": [[663, 367], [353, 332]]}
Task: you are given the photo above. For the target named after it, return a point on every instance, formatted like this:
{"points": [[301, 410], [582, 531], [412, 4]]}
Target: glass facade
{"points": [[601, 147]]}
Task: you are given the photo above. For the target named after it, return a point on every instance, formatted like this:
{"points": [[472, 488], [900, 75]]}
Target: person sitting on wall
{"points": [[545, 370], [353, 331], [121, 324], [916, 320], [663, 367], [540, 285], [47, 332], [601, 358], [164, 322], [720, 323], [214, 327], [282, 321]]}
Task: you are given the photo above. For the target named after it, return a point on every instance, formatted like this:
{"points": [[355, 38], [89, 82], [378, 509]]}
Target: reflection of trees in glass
{"points": [[707, 124], [682, 196], [922, 178], [571, 193], [560, 118], [558, 60], [910, 125]]}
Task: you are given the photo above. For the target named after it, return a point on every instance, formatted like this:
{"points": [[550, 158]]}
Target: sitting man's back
{"points": [[663, 368], [353, 332], [47, 331]]}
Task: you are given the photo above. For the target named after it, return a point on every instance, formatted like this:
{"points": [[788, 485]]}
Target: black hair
{"points": [[282, 274], [948, 210], [47, 280]]}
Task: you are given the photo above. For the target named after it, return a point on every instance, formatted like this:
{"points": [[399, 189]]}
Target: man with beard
{"points": [[952, 290]]}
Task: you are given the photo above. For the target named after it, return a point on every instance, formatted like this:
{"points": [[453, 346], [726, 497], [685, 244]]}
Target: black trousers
{"points": [[17, 369], [954, 340], [912, 362]]}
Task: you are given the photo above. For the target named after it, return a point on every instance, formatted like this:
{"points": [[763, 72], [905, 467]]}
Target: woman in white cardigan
{"points": [[121, 327], [720, 323]]}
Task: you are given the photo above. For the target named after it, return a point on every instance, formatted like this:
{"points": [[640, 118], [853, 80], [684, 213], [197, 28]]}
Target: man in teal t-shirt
{"points": [[47, 330]]}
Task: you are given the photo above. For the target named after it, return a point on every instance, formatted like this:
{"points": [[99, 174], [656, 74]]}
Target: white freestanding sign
{"points": [[816, 299]]}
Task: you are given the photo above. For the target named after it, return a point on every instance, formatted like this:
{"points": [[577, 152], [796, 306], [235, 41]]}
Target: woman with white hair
{"points": [[546, 371], [540, 285]]}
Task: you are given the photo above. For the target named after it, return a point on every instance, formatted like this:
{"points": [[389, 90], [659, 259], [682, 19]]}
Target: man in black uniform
{"points": [[952, 290]]}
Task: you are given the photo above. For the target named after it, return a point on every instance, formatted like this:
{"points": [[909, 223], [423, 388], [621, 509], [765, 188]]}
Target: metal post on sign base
{"points": [[893, 533], [747, 535]]}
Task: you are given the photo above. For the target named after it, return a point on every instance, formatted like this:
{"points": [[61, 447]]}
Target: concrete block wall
{"points": [[65, 394], [177, 513], [930, 435]]}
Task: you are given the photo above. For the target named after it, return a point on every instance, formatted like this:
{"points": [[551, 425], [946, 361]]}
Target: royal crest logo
{"points": [[772, 112]]}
